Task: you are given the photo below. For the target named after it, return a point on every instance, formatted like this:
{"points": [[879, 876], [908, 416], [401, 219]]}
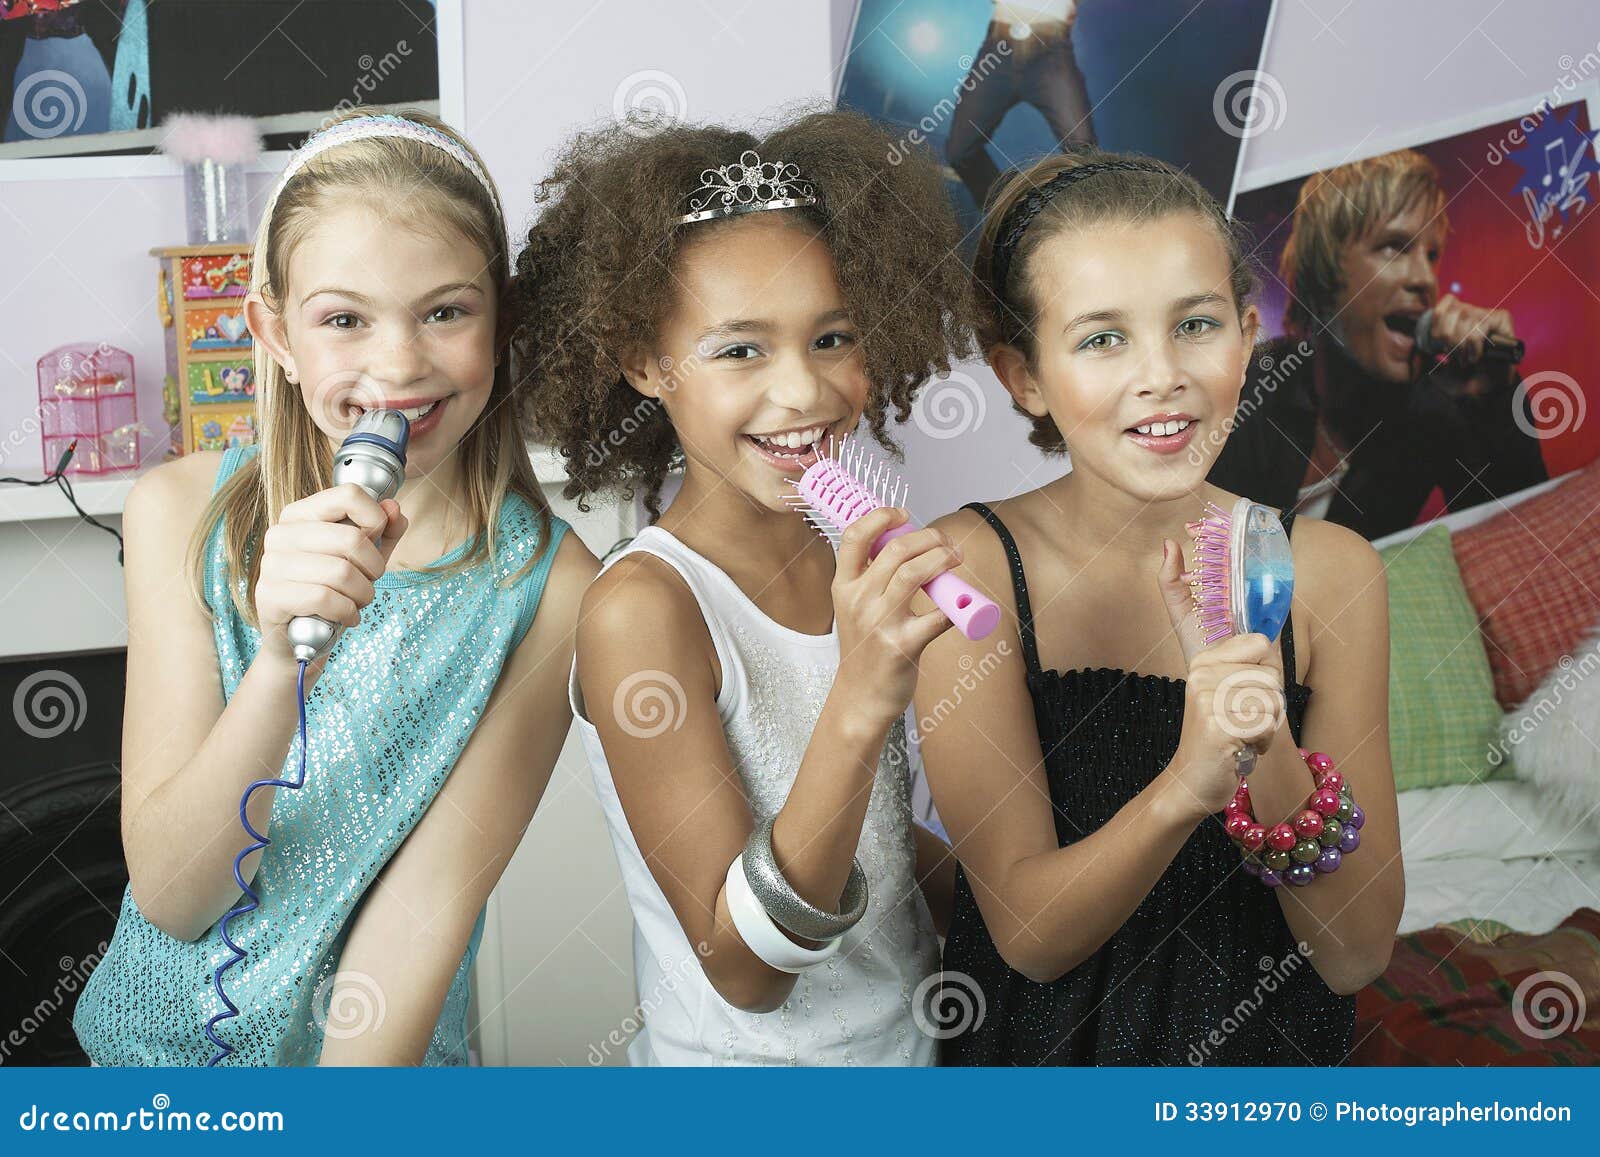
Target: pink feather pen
{"points": [[838, 489]]}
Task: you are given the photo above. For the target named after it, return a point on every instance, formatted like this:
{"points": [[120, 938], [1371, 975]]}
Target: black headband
{"points": [[1031, 204]]}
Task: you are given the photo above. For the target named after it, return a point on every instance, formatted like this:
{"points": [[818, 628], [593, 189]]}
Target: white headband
{"points": [[380, 125]]}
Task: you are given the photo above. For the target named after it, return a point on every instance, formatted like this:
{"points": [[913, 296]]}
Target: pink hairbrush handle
{"points": [[837, 491], [973, 615]]}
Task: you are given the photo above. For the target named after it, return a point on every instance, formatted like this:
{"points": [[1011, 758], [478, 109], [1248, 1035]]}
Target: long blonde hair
{"points": [[294, 459], [1341, 205]]}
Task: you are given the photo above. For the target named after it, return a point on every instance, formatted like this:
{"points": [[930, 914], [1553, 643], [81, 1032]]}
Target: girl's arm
{"points": [[1047, 907], [642, 635], [1346, 919], [411, 929], [187, 757]]}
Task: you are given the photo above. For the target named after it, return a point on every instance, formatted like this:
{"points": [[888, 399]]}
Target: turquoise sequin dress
{"points": [[394, 708]]}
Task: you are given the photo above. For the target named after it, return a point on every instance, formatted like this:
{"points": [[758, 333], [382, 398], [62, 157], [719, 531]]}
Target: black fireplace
{"points": [[62, 872]]}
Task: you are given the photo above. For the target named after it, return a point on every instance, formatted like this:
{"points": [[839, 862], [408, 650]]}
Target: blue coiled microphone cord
{"points": [[253, 901]]}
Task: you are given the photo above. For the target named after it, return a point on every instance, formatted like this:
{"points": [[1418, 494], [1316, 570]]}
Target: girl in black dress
{"points": [[1081, 757]]}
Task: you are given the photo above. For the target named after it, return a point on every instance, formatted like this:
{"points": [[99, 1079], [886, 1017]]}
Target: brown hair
{"points": [[1009, 314], [1342, 205], [396, 176], [598, 271]]}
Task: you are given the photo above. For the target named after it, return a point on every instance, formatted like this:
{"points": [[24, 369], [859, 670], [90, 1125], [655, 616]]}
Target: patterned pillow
{"points": [[1533, 573], [1443, 718]]}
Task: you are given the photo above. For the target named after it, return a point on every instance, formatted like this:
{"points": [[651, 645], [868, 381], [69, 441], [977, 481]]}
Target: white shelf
{"points": [[101, 494], [98, 494]]}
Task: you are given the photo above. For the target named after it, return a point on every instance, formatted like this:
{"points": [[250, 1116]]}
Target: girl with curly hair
{"points": [[702, 296]]}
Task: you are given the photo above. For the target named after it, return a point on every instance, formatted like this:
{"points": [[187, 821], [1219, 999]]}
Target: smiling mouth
{"points": [[1162, 429], [412, 413], [796, 444]]}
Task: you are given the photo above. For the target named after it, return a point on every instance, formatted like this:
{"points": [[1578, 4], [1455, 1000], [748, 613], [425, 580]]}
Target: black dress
{"points": [[1205, 971]]}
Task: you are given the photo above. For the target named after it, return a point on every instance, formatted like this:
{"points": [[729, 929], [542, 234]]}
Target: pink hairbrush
{"points": [[836, 490], [1244, 578]]}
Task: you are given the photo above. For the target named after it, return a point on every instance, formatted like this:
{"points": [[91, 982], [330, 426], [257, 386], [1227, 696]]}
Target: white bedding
{"points": [[1495, 851]]}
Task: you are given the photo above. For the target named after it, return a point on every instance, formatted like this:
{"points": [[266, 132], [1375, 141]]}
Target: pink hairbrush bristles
{"points": [[1212, 589], [836, 490], [1243, 578]]}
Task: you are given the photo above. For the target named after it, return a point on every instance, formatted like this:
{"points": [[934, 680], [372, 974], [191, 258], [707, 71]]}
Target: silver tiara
{"points": [[750, 186]]}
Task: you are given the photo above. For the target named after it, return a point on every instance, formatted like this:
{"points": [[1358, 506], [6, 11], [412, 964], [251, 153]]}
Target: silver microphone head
{"points": [[373, 456]]}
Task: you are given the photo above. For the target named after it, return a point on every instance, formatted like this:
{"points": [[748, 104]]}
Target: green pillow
{"points": [[1443, 716]]}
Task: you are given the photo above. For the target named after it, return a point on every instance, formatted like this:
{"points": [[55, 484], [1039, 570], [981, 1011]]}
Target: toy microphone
{"points": [[373, 456], [835, 491], [1245, 578]]}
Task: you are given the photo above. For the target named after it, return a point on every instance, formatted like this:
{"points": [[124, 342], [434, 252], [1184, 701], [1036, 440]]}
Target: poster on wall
{"points": [[1376, 401], [96, 77], [992, 86]]}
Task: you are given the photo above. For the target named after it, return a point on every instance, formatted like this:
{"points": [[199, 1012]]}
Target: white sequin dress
{"points": [[853, 1009]]}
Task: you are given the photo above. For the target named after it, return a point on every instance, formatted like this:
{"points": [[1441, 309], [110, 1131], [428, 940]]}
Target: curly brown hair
{"points": [[596, 278], [1009, 314]]}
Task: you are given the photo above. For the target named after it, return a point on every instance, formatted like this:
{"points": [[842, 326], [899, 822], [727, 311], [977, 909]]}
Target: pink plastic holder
{"points": [[86, 394], [836, 491]]}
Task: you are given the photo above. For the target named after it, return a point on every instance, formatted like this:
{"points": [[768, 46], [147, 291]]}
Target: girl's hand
{"points": [[1233, 696], [320, 559], [880, 637]]}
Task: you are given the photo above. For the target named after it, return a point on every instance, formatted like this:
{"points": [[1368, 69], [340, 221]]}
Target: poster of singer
{"points": [[991, 85], [1432, 323]]}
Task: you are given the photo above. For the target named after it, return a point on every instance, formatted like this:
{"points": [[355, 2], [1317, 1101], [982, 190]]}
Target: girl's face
{"points": [[379, 314], [1142, 351], [759, 361]]}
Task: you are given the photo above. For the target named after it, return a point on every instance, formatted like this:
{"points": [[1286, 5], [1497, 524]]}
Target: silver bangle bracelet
{"points": [[786, 906]]}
